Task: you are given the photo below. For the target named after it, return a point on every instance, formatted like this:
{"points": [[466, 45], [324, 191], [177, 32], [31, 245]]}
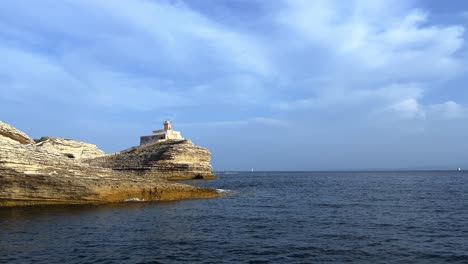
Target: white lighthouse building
{"points": [[161, 134]]}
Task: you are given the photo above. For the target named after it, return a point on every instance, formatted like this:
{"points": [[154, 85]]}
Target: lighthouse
{"points": [[162, 134]]}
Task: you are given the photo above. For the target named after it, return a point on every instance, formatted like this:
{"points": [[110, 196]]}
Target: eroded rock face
{"points": [[12, 133], [172, 160], [44, 172], [69, 148]]}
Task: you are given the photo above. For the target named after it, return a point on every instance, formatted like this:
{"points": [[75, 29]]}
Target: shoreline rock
{"points": [[171, 160], [64, 171]]}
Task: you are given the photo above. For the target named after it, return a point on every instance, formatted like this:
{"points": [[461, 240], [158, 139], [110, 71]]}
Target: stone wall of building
{"points": [[161, 135], [153, 138], [171, 134]]}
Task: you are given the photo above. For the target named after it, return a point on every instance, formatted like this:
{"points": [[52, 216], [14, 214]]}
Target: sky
{"points": [[269, 85]]}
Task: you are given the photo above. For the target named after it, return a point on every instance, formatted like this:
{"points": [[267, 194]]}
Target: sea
{"points": [[264, 217]]}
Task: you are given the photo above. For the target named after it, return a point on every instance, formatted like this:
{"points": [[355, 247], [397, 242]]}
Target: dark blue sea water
{"points": [[268, 217]]}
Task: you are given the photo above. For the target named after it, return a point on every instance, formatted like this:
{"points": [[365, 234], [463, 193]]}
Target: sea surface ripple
{"points": [[265, 217]]}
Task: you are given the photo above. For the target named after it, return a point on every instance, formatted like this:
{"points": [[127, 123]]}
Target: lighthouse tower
{"points": [[162, 134], [167, 125]]}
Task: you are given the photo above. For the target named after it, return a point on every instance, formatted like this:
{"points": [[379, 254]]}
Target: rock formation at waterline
{"points": [[172, 160], [57, 170]]}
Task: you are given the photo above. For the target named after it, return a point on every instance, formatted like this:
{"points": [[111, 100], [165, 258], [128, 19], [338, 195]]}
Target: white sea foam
{"points": [[134, 200], [223, 190]]}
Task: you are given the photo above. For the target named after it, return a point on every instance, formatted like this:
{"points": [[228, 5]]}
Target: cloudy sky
{"points": [[270, 85]]}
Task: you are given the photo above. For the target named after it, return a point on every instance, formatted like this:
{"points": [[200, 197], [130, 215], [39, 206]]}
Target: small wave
{"points": [[134, 200], [223, 190]]}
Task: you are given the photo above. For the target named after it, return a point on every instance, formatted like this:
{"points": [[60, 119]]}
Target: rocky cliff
{"points": [[171, 159], [57, 170], [70, 148]]}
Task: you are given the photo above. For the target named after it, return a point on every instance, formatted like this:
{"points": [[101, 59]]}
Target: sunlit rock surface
{"points": [[171, 159], [56, 170]]}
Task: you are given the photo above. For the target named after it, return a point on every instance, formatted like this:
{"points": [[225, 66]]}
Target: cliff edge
{"points": [[57, 170], [171, 160]]}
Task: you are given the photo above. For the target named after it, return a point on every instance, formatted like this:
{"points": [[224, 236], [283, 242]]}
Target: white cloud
{"points": [[383, 37], [392, 102], [412, 109], [30, 76], [136, 55], [241, 123], [183, 34], [333, 97], [447, 110], [134, 93], [26, 74], [152, 55], [408, 109], [384, 56]]}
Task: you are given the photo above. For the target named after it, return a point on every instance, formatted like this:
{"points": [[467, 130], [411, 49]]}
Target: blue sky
{"points": [[273, 85]]}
